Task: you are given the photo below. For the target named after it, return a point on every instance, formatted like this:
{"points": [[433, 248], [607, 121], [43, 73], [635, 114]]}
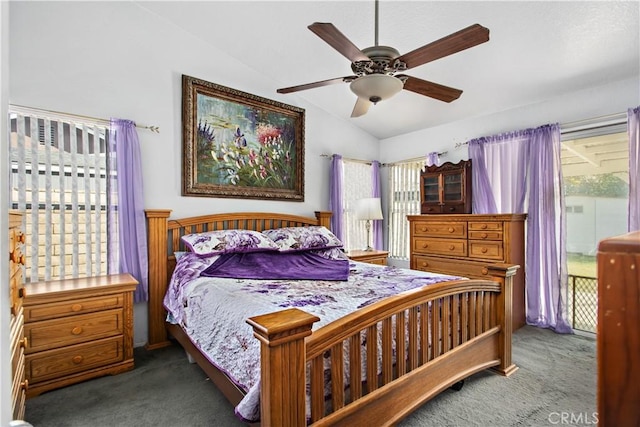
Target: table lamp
{"points": [[368, 209]]}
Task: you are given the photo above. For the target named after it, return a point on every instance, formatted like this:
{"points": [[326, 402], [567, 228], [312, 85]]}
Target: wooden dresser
{"points": [[464, 244], [372, 257], [78, 329], [18, 341], [618, 338]]}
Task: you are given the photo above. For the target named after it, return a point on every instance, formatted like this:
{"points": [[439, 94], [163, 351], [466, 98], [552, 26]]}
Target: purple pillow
{"points": [[228, 241], [291, 239]]}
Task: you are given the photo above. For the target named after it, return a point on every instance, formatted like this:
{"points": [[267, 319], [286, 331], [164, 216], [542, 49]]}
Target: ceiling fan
{"points": [[376, 68]]}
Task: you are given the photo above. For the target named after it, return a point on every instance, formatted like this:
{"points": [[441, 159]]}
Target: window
{"points": [[404, 199], [60, 181], [358, 184]]}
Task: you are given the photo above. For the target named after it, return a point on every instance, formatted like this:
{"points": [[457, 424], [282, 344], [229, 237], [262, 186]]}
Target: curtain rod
{"points": [[415, 159], [569, 127], [366, 162], [24, 109]]}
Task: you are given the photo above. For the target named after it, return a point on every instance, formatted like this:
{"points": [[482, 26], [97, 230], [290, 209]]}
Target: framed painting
{"points": [[240, 145]]}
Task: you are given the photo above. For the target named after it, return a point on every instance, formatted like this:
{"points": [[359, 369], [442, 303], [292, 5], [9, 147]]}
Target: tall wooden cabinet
{"points": [[466, 244], [446, 189], [618, 339], [18, 341]]}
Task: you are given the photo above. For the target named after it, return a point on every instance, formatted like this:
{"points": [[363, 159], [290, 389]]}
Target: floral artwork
{"points": [[240, 145]]}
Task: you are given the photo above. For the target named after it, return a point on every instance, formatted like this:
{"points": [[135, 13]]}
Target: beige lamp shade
{"points": [[369, 208]]}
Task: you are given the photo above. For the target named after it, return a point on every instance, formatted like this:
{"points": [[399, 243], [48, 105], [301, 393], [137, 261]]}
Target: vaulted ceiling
{"points": [[537, 50]]}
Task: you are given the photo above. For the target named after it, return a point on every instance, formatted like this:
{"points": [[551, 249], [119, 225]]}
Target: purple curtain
{"points": [[132, 231], [433, 158], [546, 234], [336, 196], [633, 130], [521, 168], [377, 224]]}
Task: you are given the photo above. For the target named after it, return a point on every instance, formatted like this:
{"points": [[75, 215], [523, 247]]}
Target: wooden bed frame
{"points": [[450, 330]]}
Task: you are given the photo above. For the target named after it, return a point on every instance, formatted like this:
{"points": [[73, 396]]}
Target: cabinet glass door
{"points": [[430, 187], [452, 187]]}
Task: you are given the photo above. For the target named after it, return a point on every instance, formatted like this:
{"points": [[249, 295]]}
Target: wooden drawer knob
{"points": [[483, 250], [22, 238], [77, 359], [14, 256], [24, 385], [425, 245], [24, 342], [484, 226], [23, 259], [77, 330], [451, 230], [424, 229], [485, 271], [76, 307], [484, 235], [451, 247], [425, 264]]}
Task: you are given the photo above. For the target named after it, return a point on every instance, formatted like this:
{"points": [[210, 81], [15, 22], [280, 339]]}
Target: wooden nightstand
{"points": [[78, 329], [372, 257]]}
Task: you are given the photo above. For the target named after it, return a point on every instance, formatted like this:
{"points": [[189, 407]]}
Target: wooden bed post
{"points": [[157, 246], [324, 218], [505, 273], [283, 364]]}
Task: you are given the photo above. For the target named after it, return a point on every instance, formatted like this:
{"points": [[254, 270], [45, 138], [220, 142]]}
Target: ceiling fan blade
{"points": [[432, 90], [330, 34], [461, 40], [361, 107], [316, 84]]}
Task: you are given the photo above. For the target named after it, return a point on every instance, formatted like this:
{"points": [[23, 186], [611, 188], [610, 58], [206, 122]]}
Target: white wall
{"points": [[113, 59], [5, 352]]}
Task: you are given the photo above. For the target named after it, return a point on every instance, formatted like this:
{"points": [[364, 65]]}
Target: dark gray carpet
{"points": [[557, 378]]}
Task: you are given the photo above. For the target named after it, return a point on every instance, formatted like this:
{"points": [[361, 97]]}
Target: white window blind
{"points": [[59, 180], [358, 184], [404, 199]]}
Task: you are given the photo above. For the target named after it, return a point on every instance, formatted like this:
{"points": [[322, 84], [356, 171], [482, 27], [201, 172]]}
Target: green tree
{"points": [[605, 185]]}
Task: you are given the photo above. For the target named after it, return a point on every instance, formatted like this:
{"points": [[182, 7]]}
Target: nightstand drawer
{"points": [[440, 246], [440, 229], [486, 250], [69, 360], [72, 307], [50, 334]]}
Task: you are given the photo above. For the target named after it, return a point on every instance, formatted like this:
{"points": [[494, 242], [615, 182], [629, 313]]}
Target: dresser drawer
{"points": [[17, 342], [16, 291], [485, 226], [70, 360], [449, 266], [490, 250], [452, 247], [72, 307], [485, 235], [440, 229], [50, 334], [18, 392]]}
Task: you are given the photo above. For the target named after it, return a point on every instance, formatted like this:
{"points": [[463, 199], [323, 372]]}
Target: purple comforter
{"points": [[278, 265]]}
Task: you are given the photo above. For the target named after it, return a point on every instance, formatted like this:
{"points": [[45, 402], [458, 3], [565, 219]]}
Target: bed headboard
{"points": [[164, 239]]}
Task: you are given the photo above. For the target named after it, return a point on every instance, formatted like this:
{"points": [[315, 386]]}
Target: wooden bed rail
{"points": [[426, 334]]}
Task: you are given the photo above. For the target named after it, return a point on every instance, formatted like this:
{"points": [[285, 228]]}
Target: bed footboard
{"points": [[427, 340]]}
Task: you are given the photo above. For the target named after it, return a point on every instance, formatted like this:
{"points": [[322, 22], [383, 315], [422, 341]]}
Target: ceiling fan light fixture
{"points": [[376, 87]]}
